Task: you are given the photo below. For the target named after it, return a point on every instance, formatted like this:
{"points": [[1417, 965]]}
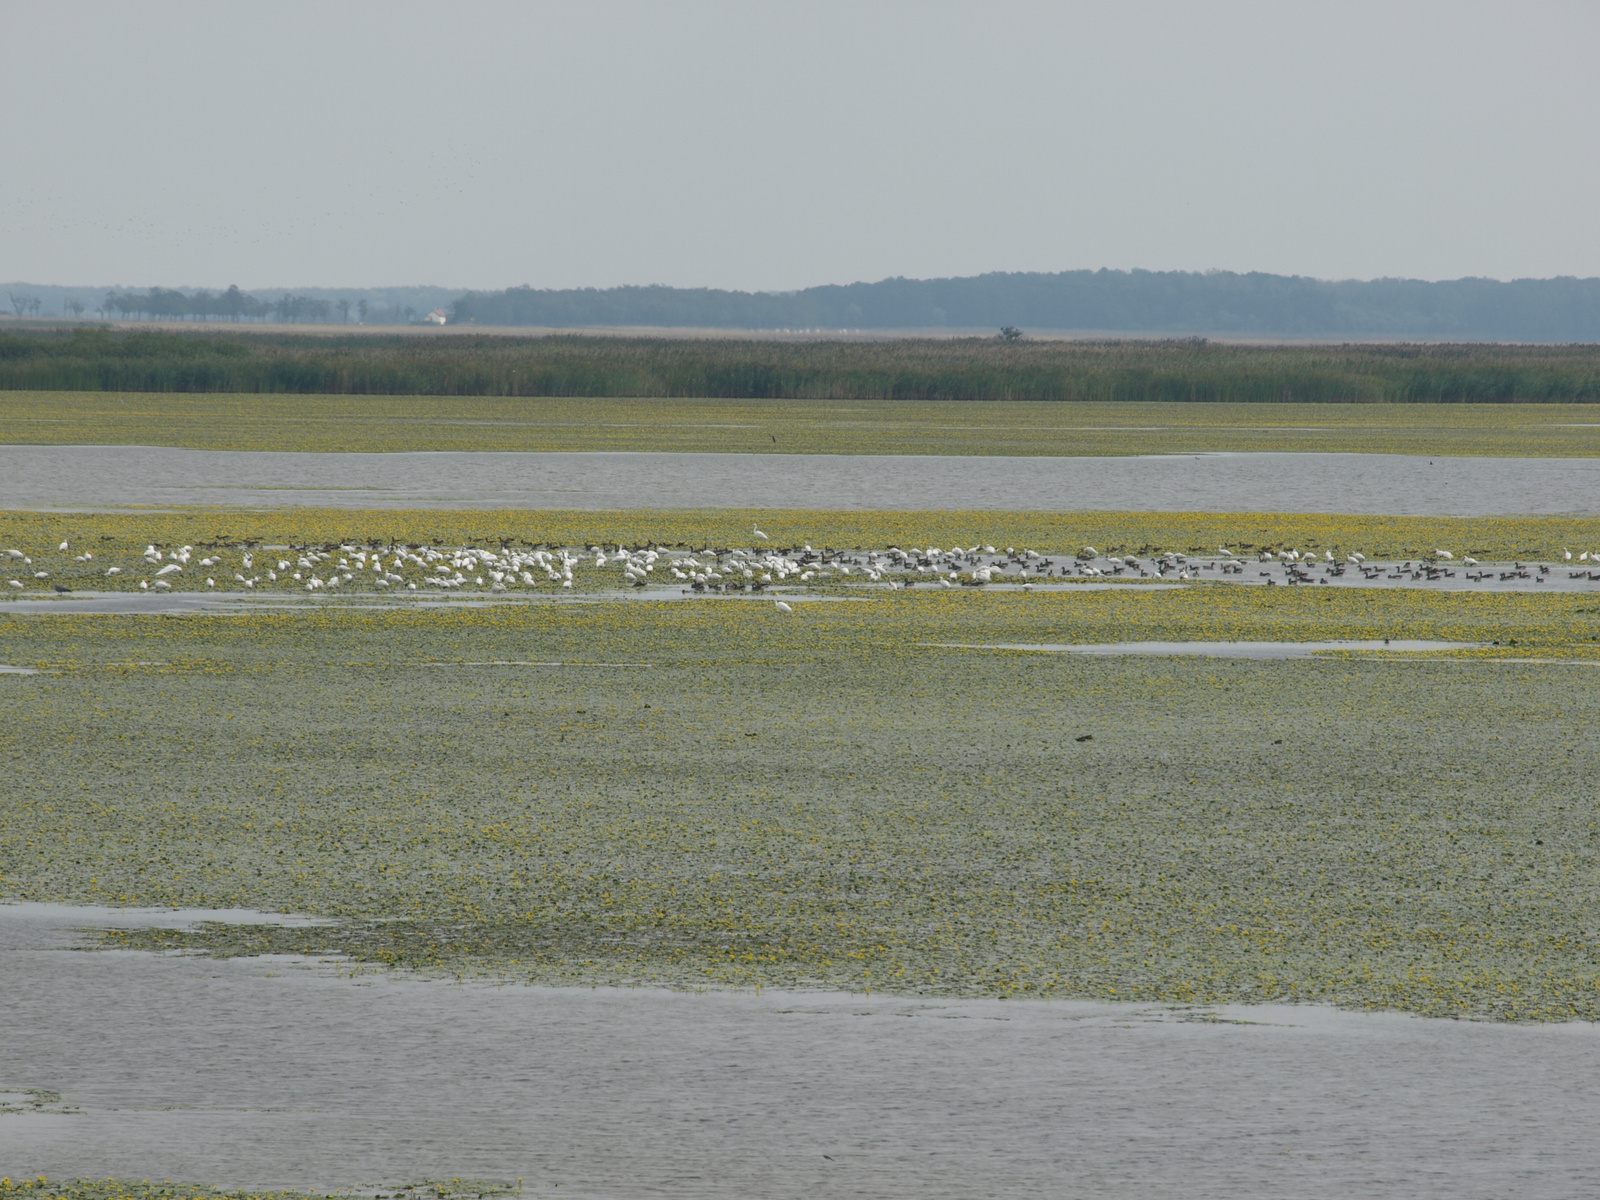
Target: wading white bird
{"points": [[757, 531], [782, 607]]}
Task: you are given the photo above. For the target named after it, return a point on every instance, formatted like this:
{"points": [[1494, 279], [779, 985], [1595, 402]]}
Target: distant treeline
{"points": [[1169, 302], [96, 359], [172, 304]]}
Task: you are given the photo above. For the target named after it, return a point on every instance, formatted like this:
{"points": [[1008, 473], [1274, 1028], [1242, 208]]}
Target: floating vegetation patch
{"points": [[14, 1101], [823, 799], [41, 1188]]}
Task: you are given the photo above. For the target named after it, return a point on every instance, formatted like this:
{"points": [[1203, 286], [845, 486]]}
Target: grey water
{"points": [[260, 1072], [98, 477], [1260, 650]]}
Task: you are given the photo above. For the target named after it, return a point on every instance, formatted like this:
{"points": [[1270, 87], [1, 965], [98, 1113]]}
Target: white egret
{"points": [[782, 607], [757, 530]]}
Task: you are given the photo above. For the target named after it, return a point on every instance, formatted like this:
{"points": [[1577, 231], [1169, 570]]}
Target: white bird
{"points": [[1470, 561], [64, 545], [14, 582], [113, 570], [1224, 552], [756, 529], [1566, 554], [1089, 550], [1443, 554], [782, 607]]}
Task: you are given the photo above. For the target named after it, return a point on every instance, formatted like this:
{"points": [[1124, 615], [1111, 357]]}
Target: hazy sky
{"points": [[774, 146]]}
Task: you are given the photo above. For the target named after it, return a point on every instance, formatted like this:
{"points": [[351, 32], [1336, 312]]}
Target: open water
{"points": [[88, 477], [260, 1071]]}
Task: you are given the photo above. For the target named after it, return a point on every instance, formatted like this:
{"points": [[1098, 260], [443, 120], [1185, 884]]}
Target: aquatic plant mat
{"points": [[213, 421], [822, 799], [125, 1189]]}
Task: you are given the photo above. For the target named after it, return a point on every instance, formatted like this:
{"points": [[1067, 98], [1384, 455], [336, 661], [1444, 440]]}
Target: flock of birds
{"points": [[426, 569]]}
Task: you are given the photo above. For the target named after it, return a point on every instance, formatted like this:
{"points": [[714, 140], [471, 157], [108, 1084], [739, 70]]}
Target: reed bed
{"points": [[1182, 371]]}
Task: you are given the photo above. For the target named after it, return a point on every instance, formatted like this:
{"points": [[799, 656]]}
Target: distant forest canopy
{"points": [[342, 306], [95, 358], [1213, 303], [1158, 303]]}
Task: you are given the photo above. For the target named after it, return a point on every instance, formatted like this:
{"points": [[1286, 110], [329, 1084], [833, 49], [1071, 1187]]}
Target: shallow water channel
{"points": [[256, 1072], [1258, 650], [87, 477]]}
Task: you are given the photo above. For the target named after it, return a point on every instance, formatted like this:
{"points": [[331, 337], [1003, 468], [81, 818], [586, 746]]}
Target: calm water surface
{"points": [[111, 476], [264, 1072]]}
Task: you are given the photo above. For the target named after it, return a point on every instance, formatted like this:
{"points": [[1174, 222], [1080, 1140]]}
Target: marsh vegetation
{"points": [[373, 424], [713, 793], [985, 369]]}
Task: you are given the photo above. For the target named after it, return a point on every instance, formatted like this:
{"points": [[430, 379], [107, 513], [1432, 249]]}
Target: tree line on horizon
{"points": [[1211, 303], [1147, 303], [174, 304]]}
